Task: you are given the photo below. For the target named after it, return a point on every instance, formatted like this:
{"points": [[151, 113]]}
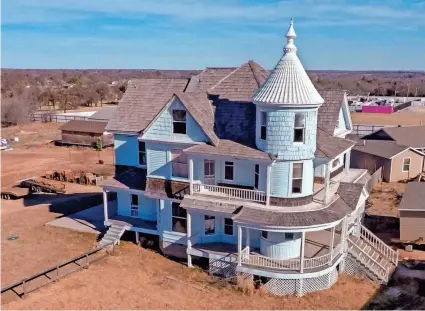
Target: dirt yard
{"points": [[136, 278], [410, 116], [384, 200]]}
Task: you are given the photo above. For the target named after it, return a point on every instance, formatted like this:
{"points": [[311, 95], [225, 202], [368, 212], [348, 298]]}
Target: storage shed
{"points": [[412, 212], [85, 133], [397, 162]]}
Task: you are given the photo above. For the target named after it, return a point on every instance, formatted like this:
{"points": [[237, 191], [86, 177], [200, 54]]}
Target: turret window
{"points": [[263, 134], [297, 177], [299, 128]]}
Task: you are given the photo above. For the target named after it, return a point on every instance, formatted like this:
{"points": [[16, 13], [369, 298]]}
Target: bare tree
{"points": [[102, 89]]}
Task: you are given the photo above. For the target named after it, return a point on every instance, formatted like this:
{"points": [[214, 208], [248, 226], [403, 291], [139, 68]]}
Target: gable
{"points": [[343, 125], [378, 135], [161, 127]]}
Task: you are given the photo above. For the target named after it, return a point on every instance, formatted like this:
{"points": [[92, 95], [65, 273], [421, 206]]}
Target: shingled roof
{"points": [[211, 76], [350, 193], [412, 136], [84, 126], [329, 111], [329, 146], [413, 197], [381, 148], [142, 101]]}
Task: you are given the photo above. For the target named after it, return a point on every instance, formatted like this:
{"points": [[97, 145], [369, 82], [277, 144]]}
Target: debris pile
{"points": [[79, 177]]}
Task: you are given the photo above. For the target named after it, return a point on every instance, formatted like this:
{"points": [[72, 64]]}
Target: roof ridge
{"points": [[253, 72], [218, 83]]}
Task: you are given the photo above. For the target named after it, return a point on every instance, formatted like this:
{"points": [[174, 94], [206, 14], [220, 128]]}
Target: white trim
{"points": [[291, 178], [215, 226], [410, 163], [408, 148], [116, 189], [166, 141], [411, 210], [224, 171]]}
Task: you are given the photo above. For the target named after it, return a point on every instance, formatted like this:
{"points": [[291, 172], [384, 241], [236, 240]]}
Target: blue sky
{"points": [[193, 34]]}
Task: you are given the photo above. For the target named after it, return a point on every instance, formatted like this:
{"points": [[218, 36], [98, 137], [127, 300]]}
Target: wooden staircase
{"points": [[113, 235], [373, 254]]}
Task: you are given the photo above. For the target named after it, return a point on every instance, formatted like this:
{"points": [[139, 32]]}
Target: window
{"points": [[209, 224], [263, 134], [299, 127], [179, 164], [289, 236], [256, 176], [228, 226], [336, 162], [178, 218], [209, 168], [297, 177], [134, 209], [179, 121], [228, 170], [406, 164], [142, 153], [264, 234]]}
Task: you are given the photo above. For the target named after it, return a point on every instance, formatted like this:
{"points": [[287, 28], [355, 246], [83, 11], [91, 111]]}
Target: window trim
{"points": [[143, 152], [298, 128], [228, 226], [233, 170], [410, 162], [176, 121], [212, 217], [179, 217], [292, 178], [263, 113]]}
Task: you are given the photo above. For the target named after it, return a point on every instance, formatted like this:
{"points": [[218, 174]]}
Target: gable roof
{"points": [[241, 83], [329, 146], [412, 136], [200, 108], [350, 193], [413, 197], [381, 148], [104, 114], [211, 76], [84, 126], [142, 101], [328, 114]]}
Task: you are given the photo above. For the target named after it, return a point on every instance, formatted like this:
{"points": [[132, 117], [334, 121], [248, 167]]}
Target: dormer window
{"points": [[263, 134], [299, 128], [179, 121]]}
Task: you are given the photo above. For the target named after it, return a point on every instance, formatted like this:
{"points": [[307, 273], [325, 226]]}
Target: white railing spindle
{"points": [[229, 192]]}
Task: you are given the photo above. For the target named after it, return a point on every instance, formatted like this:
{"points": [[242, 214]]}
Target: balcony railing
{"points": [[230, 193], [289, 264]]}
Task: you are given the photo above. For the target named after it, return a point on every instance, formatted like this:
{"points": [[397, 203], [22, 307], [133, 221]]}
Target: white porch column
{"points": [[302, 252], [331, 245], [248, 237], [239, 245], [347, 161], [137, 237], [327, 182], [191, 175], [105, 204], [344, 234], [189, 239], [268, 184]]}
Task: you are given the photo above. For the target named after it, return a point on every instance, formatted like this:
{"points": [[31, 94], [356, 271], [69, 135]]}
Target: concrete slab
{"points": [[89, 220]]}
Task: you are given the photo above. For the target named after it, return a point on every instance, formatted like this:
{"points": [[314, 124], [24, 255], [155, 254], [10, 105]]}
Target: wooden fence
{"points": [[365, 129], [375, 178], [49, 117], [38, 280]]}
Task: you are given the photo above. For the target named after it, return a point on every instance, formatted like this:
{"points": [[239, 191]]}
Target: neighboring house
{"points": [[412, 212], [85, 133], [246, 168], [397, 162], [411, 136]]}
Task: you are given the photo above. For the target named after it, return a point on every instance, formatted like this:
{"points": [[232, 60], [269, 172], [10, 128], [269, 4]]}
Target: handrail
{"points": [[385, 271], [230, 192], [379, 245], [263, 261], [64, 263]]}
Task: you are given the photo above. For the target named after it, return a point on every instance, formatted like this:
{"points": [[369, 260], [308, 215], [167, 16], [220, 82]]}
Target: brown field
{"points": [[404, 117], [383, 199], [134, 278]]}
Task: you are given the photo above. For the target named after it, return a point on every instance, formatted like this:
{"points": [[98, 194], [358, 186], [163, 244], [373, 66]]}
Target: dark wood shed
{"points": [[412, 212], [85, 133]]}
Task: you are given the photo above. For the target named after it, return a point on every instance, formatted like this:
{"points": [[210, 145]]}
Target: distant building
{"points": [[85, 133], [412, 212]]}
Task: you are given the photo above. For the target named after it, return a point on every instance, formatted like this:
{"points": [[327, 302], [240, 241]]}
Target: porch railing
{"points": [[379, 245], [231, 193]]}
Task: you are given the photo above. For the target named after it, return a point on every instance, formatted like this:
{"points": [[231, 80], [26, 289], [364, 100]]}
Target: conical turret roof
{"points": [[288, 83]]}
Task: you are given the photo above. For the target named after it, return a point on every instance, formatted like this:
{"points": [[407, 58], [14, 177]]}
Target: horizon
{"points": [[181, 35]]}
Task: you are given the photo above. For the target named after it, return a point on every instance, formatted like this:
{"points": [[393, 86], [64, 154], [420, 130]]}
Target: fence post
{"points": [[87, 261], [57, 272]]}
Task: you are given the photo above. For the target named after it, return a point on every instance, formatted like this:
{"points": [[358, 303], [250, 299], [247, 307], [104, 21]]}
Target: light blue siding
{"points": [[126, 149], [341, 121], [124, 202], [280, 179], [276, 246], [157, 164], [165, 225], [147, 206], [162, 127]]}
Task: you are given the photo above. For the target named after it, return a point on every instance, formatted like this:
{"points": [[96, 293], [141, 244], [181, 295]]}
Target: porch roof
{"points": [[209, 205], [165, 188], [329, 146], [131, 178]]}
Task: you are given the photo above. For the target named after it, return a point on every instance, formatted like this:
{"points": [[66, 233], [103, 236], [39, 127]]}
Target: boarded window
{"points": [[179, 218], [142, 153], [406, 164], [228, 170], [256, 176], [299, 127], [228, 226], [179, 121], [297, 177], [264, 234], [263, 125], [209, 224], [179, 163], [209, 168], [289, 236]]}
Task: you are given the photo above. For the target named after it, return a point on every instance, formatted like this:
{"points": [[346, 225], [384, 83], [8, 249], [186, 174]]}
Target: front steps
{"points": [[113, 235]]}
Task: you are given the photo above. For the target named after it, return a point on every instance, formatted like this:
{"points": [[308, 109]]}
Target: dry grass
{"points": [[136, 278], [384, 199], [403, 117]]}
